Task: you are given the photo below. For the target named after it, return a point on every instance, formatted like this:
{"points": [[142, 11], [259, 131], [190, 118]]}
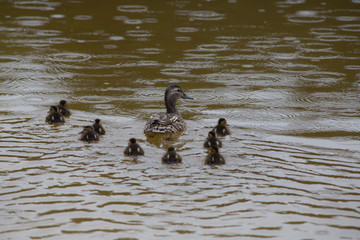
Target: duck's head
{"points": [[63, 103], [132, 141], [172, 94], [53, 109], [175, 92], [211, 134], [213, 150], [222, 122], [97, 121]]}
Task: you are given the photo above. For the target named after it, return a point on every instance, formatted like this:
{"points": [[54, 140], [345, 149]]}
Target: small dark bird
{"points": [[98, 128], [214, 157], [212, 140], [171, 156], [133, 149], [88, 134], [62, 106], [54, 116], [221, 128]]}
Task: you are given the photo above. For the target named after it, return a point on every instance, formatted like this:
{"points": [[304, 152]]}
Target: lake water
{"points": [[285, 74]]}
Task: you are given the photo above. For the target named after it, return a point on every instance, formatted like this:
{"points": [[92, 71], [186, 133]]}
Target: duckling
{"points": [[171, 121], [214, 157], [133, 149], [88, 134], [171, 156], [54, 116], [62, 106], [98, 128], [221, 128], [212, 140]]}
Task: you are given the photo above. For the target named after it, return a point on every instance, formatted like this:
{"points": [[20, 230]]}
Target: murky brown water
{"points": [[285, 74]]}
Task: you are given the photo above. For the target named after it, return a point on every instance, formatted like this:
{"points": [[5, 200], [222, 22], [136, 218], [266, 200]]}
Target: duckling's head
{"points": [[222, 122], [132, 141], [211, 134], [63, 103], [53, 109], [171, 149], [213, 150], [97, 121]]}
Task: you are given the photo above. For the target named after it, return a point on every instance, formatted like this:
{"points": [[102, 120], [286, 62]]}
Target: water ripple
{"points": [[36, 5], [306, 17], [31, 21], [132, 8], [69, 57]]}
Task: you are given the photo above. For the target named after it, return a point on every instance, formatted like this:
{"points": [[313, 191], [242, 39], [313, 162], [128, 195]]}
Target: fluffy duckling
{"points": [[88, 134], [214, 157], [171, 156], [171, 121], [54, 116], [212, 140], [98, 128], [133, 149], [221, 128], [62, 106]]}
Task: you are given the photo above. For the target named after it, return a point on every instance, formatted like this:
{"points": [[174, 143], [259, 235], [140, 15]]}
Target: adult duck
{"points": [[171, 121]]}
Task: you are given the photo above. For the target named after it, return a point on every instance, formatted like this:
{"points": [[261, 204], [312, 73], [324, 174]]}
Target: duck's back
{"points": [[165, 123]]}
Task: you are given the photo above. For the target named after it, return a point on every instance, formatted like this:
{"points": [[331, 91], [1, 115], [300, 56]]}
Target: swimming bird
{"points": [[133, 149], [98, 128], [212, 140], [62, 106], [171, 156], [54, 116], [221, 129], [88, 134], [171, 121], [214, 157]]}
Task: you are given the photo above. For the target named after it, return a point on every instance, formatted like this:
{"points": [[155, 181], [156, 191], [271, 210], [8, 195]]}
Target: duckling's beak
{"points": [[187, 96]]}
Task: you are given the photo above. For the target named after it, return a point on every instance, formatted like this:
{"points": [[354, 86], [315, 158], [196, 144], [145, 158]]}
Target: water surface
{"points": [[285, 74]]}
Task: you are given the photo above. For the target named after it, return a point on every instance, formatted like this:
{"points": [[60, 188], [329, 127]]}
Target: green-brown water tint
{"points": [[285, 74]]}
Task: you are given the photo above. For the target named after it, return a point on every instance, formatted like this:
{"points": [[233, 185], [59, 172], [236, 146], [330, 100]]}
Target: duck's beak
{"points": [[187, 96]]}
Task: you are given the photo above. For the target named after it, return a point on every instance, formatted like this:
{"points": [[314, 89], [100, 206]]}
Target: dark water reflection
{"points": [[285, 74]]}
